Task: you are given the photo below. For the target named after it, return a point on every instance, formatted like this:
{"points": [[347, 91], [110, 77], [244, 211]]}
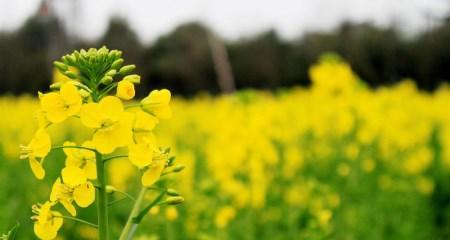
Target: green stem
{"points": [[102, 201], [117, 201], [134, 212], [79, 220], [79, 147], [107, 90], [114, 157], [126, 195], [79, 84]]}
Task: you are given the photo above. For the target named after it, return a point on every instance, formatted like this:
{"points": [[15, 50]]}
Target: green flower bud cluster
{"points": [[96, 68]]}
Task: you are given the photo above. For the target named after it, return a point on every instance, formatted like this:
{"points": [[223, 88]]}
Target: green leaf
{"points": [[11, 235]]}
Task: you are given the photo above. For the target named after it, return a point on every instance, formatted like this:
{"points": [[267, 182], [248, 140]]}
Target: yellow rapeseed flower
{"points": [[82, 158], [171, 213], [154, 170], [59, 106], [47, 222], [36, 151], [111, 123], [75, 188], [324, 216], [224, 215], [157, 103]]}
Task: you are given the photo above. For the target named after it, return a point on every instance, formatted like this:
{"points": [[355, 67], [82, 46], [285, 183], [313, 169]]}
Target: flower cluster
{"points": [[114, 125]]}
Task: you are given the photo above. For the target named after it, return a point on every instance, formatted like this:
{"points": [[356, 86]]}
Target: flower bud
{"points": [[134, 78], [92, 51], [111, 72], [125, 90], [76, 55], [69, 59], [165, 150], [84, 93], [56, 86], [125, 70], [71, 74], [60, 66], [106, 80], [171, 160], [172, 192], [178, 168], [103, 51], [174, 169], [117, 63], [110, 189], [114, 54], [174, 200]]}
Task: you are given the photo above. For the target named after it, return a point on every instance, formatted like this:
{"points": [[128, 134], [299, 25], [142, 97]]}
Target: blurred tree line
{"points": [[182, 61]]}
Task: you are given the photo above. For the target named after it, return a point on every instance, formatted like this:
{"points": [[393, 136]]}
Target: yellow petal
{"points": [[125, 129], [37, 168], [69, 207], [75, 162], [102, 142], [91, 116], [145, 137], [41, 118], [41, 143], [161, 97], [57, 220], [72, 98], [144, 121], [140, 154], [45, 231], [69, 151], [44, 212], [125, 90], [56, 188], [90, 169], [86, 153], [73, 176], [84, 195], [163, 112], [70, 93], [157, 103], [152, 174], [111, 107], [53, 105]]}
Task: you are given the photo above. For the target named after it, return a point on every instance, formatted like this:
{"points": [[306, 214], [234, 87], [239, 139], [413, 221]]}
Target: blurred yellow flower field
{"points": [[337, 160]]}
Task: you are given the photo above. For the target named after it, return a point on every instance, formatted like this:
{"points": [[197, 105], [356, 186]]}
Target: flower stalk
{"points": [[126, 232], [102, 204]]}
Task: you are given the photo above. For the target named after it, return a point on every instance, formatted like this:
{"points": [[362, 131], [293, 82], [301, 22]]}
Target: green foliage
{"points": [[11, 235]]}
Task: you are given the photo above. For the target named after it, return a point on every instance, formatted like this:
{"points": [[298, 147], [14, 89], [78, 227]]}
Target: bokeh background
{"points": [[311, 119]]}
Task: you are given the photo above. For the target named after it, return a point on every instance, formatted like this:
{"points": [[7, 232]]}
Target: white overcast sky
{"points": [[230, 18]]}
